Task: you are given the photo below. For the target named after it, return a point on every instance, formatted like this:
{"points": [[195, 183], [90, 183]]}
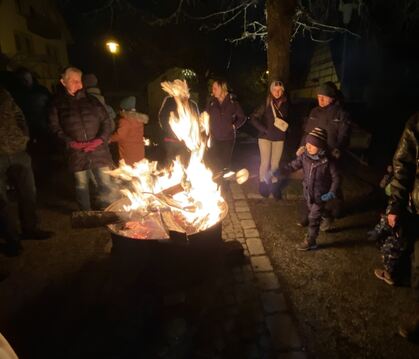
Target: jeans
{"points": [[270, 155], [106, 192], [18, 168]]}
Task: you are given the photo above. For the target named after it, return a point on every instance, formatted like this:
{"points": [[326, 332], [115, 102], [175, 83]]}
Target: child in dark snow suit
{"points": [[320, 183]]}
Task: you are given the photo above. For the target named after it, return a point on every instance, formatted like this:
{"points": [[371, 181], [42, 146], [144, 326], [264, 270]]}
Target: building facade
{"points": [[33, 34]]}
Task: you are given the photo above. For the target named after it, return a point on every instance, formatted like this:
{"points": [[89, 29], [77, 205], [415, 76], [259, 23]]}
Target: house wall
{"points": [[44, 55], [322, 69]]}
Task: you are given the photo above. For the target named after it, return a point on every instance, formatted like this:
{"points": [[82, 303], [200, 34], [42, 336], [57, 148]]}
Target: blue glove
{"points": [[327, 196]]}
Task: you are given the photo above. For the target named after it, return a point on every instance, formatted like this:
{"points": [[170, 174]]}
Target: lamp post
{"points": [[114, 48]]}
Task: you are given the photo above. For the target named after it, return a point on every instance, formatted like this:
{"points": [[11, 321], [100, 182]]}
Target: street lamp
{"points": [[114, 48]]}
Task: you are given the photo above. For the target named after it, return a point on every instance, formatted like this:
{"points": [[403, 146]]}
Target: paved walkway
{"points": [[214, 309], [278, 330]]}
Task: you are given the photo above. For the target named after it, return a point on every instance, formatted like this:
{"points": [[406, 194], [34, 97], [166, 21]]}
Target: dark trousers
{"points": [[398, 248], [219, 155], [174, 149], [18, 169], [315, 213]]}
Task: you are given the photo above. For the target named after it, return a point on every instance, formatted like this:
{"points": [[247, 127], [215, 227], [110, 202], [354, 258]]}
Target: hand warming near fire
{"points": [[87, 146]]}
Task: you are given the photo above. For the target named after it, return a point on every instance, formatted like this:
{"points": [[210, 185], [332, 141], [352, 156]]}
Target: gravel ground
{"points": [[343, 311]]}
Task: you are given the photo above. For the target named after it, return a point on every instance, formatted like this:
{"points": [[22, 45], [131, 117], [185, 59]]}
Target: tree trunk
{"points": [[280, 25]]}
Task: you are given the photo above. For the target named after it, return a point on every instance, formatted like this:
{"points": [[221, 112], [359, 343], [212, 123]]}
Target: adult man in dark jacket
{"points": [[329, 115], [82, 123], [15, 164], [405, 188]]}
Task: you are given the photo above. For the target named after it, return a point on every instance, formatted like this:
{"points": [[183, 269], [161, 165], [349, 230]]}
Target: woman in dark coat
{"points": [[271, 121], [226, 116]]}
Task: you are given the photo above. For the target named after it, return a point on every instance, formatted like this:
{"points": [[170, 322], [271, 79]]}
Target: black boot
{"points": [[264, 189], [276, 190]]}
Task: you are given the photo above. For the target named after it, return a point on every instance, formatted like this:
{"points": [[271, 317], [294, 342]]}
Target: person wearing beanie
{"points": [[330, 115], [130, 132], [321, 180], [90, 82], [271, 120]]}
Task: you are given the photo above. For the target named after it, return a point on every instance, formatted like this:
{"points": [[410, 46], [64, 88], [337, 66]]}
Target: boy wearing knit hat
{"points": [[320, 183]]}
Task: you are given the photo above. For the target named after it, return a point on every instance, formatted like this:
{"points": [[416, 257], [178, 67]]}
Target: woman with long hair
{"points": [[226, 116], [271, 121]]}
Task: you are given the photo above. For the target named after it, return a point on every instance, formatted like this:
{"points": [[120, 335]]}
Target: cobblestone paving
{"points": [[197, 306], [257, 287]]}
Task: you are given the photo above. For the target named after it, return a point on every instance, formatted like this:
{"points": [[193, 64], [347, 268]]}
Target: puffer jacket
{"points": [[81, 118], [225, 117], [14, 134], [320, 175], [335, 121], [405, 181]]}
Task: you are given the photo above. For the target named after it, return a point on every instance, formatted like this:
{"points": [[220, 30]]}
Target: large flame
{"points": [[186, 190]]}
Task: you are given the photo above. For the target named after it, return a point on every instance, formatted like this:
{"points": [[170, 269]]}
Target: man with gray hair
{"points": [[82, 123]]}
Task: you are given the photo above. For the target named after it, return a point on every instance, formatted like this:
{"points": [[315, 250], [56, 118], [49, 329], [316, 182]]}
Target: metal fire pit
{"points": [[177, 242]]}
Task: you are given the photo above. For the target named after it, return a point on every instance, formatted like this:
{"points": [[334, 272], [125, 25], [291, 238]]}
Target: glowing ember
{"points": [[194, 199]]}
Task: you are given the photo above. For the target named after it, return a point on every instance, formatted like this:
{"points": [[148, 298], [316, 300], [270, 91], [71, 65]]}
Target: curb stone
{"points": [[256, 286]]}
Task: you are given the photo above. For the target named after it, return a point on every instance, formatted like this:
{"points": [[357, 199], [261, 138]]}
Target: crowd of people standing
{"points": [[80, 119]]}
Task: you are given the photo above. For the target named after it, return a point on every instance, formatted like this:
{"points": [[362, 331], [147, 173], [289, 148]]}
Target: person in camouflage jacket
{"points": [[15, 165]]}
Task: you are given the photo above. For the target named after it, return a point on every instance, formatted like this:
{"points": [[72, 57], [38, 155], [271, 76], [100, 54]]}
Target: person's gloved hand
{"points": [[336, 153], [300, 150], [327, 196], [77, 145], [93, 144]]}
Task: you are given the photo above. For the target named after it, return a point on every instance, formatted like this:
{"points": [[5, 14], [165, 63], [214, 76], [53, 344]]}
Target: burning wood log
{"points": [[94, 219]]}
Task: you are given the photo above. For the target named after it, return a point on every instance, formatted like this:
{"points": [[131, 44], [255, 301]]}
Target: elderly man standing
{"points": [[83, 124]]}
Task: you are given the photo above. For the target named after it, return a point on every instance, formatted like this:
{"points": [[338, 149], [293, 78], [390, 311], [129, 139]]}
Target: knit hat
{"points": [[317, 137], [327, 89], [89, 80], [128, 103]]}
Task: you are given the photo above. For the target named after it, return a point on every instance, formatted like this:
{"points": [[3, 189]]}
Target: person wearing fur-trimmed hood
{"points": [[130, 132]]}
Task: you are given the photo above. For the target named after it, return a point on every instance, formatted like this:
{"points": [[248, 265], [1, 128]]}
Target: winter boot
{"points": [[410, 328], [307, 245], [264, 189], [303, 222], [384, 275], [276, 190], [326, 224]]}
